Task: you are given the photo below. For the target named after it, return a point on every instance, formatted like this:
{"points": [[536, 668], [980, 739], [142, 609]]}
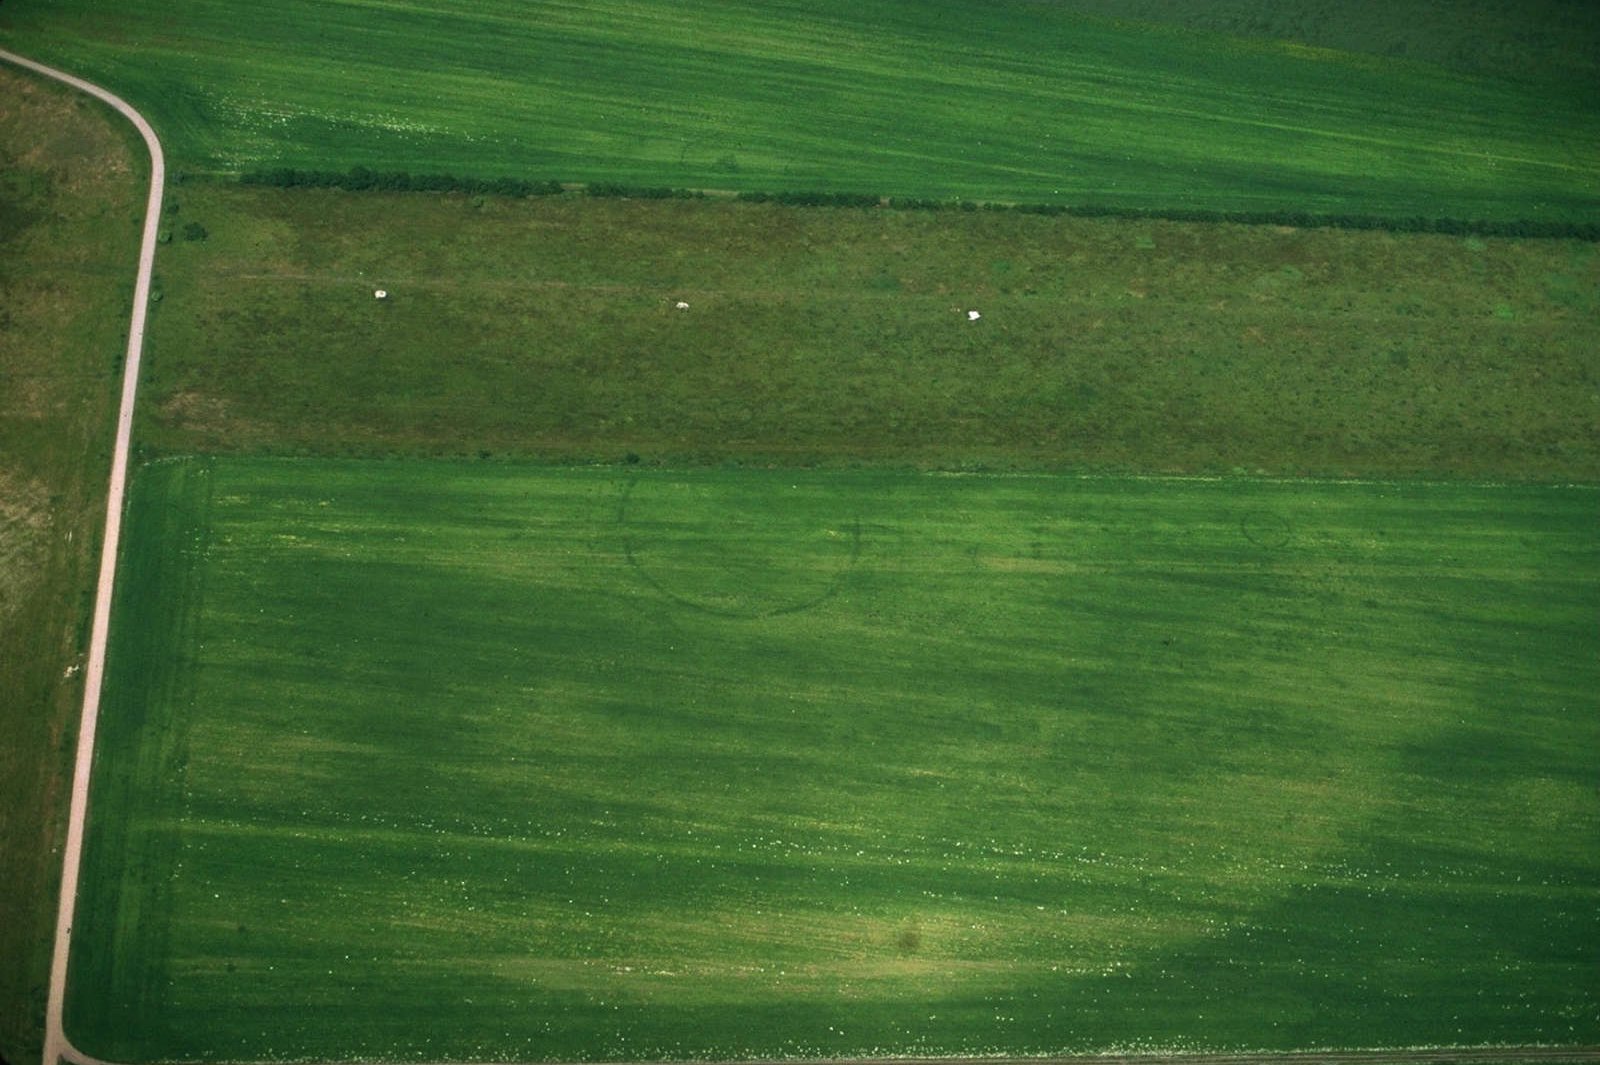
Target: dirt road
{"points": [[55, 1042]]}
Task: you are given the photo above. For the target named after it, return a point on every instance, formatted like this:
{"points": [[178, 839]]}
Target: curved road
{"points": [[56, 1045]]}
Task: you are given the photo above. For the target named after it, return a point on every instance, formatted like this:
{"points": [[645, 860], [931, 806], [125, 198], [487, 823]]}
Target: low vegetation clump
{"points": [[361, 179]]}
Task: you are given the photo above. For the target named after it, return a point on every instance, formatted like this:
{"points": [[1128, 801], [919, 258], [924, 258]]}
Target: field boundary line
{"points": [[56, 1044]]}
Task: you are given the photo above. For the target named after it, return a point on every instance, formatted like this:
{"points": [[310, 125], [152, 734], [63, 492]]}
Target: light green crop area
{"points": [[1007, 100], [458, 760]]}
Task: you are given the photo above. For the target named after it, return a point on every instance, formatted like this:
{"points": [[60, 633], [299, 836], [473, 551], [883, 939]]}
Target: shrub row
{"points": [[1298, 219], [813, 199], [638, 192], [362, 179], [1306, 220]]}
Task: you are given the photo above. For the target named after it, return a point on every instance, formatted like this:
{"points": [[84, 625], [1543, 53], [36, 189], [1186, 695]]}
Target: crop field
{"points": [[1027, 102], [675, 629], [432, 760], [547, 329]]}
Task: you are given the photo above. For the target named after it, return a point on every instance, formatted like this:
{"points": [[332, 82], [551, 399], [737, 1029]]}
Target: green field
{"points": [[434, 760], [520, 668], [546, 329], [1008, 100]]}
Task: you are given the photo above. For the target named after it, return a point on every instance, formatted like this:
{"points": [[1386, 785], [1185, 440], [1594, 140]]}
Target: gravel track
{"points": [[56, 1045]]}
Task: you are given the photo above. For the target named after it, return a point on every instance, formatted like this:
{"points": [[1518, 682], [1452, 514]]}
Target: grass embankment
{"points": [[548, 329], [70, 202], [447, 760], [1009, 100]]}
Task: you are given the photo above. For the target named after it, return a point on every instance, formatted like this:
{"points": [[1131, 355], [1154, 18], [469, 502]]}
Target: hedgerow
{"points": [[361, 179]]}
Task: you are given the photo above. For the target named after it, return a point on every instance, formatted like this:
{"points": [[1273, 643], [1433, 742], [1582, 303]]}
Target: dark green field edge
{"points": [[364, 179]]}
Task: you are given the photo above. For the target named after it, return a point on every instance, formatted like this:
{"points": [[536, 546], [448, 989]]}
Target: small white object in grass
{"points": [[682, 306], [380, 294], [973, 316]]}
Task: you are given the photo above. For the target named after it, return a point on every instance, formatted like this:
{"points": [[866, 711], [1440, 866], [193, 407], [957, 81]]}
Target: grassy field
{"points": [[1025, 101], [434, 760], [547, 329], [69, 206]]}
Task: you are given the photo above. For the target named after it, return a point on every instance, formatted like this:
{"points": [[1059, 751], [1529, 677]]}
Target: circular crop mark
{"points": [[748, 548], [1264, 528]]}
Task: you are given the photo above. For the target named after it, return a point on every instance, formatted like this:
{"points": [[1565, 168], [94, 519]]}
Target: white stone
{"points": [[973, 316], [682, 306], [380, 294]]}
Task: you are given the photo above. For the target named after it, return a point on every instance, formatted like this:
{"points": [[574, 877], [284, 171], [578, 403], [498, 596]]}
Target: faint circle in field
{"points": [[747, 548], [1265, 528]]}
